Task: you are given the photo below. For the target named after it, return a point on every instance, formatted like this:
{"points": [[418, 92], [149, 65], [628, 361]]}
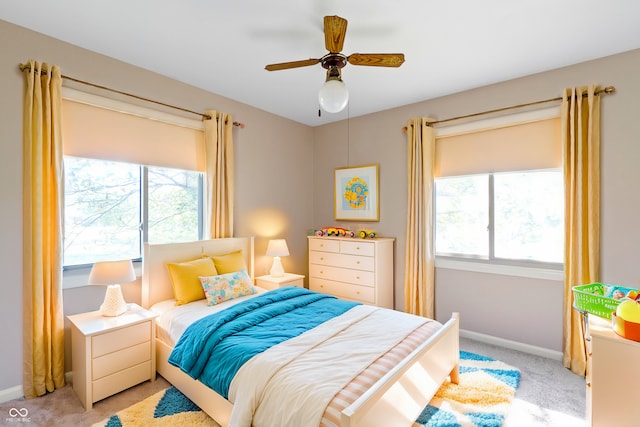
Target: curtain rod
{"points": [[204, 116], [607, 90]]}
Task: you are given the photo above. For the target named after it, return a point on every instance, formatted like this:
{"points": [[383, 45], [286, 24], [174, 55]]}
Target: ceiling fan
{"points": [[333, 95]]}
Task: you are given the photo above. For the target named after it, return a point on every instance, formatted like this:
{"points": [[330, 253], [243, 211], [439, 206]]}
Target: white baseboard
{"points": [[16, 392], [11, 393], [513, 345]]}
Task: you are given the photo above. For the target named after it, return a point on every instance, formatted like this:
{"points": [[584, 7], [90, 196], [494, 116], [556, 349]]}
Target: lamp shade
{"points": [[333, 96], [112, 272], [277, 247]]}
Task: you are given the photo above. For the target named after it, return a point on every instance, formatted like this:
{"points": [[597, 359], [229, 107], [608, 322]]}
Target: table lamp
{"points": [[112, 273], [277, 248]]}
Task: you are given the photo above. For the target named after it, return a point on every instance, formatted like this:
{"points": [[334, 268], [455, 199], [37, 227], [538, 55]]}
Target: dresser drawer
{"points": [[344, 261], [326, 245], [111, 363], [348, 291], [120, 338], [357, 247], [358, 277], [122, 380]]}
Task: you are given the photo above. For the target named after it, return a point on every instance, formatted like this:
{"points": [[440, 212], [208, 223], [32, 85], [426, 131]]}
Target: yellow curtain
{"points": [[581, 137], [419, 287], [43, 319], [218, 139]]}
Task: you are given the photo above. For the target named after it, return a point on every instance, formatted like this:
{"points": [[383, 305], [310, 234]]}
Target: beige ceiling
{"points": [[449, 45]]}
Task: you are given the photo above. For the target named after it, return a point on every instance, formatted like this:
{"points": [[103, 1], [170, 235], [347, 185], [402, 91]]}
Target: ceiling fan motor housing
{"points": [[333, 60]]}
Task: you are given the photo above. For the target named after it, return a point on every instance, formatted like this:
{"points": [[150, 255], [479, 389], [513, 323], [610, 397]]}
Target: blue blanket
{"points": [[214, 348]]}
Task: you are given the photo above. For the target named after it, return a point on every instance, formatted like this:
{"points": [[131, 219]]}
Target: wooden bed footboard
{"points": [[398, 397], [395, 400]]}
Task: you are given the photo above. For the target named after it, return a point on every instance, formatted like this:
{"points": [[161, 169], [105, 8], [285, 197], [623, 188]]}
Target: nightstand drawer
{"points": [[343, 290], [119, 339], [122, 380], [345, 261], [119, 360], [358, 277]]}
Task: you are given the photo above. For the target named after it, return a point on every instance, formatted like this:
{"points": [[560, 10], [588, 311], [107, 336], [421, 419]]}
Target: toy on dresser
{"points": [[335, 231], [344, 232], [367, 233]]}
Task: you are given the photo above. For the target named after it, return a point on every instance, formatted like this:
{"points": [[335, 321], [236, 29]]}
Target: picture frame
{"points": [[356, 195]]}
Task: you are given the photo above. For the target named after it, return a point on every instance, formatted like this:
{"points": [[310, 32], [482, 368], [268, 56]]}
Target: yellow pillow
{"points": [[229, 263], [185, 281]]}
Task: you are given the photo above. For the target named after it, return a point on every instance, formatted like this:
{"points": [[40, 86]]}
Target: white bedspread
{"points": [[311, 368]]}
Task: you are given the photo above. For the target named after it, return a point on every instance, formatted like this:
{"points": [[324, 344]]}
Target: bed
{"points": [[397, 398]]}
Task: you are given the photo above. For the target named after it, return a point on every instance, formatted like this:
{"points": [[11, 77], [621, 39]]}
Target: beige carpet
{"points": [[63, 408]]}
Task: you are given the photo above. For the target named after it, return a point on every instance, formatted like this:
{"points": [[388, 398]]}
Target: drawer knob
{"points": [[358, 293], [357, 248], [358, 262], [358, 277], [321, 258], [321, 286]]}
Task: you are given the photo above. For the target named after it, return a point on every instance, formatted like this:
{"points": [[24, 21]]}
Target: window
{"points": [[108, 203], [507, 217]]}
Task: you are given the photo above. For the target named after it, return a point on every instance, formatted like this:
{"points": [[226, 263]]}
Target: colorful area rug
{"points": [[481, 399]]}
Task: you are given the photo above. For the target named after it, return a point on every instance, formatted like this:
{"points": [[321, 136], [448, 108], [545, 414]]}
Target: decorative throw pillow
{"points": [[229, 263], [184, 278], [227, 286]]}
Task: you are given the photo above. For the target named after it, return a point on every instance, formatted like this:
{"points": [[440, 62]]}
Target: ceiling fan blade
{"points": [[335, 29], [293, 64], [377, 59]]}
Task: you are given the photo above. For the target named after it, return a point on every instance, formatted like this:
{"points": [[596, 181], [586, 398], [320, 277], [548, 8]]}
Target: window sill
{"points": [[506, 270]]}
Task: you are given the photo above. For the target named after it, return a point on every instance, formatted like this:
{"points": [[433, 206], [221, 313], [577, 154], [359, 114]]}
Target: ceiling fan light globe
{"points": [[333, 96]]}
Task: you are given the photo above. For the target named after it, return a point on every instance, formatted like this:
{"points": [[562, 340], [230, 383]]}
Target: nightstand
{"points": [[289, 279], [111, 354]]}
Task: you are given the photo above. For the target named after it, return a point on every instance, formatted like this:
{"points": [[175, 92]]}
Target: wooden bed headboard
{"points": [[156, 283]]}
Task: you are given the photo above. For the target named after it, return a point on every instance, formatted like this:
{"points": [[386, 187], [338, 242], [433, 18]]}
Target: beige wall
{"points": [[273, 164], [284, 182], [508, 307]]}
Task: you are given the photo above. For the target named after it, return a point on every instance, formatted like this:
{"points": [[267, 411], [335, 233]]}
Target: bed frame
{"points": [[396, 399]]}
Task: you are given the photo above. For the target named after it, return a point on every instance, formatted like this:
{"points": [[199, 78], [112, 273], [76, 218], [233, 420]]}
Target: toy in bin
{"points": [[626, 320], [602, 299]]}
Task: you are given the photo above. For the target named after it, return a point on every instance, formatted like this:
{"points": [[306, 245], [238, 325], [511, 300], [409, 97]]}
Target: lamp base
{"points": [[114, 303], [276, 268]]}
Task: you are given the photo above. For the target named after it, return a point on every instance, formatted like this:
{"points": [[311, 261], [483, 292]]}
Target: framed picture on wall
{"points": [[356, 193]]}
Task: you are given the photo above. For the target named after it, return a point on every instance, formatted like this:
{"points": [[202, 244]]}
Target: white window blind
{"points": [[515, 143], [100, 128]]}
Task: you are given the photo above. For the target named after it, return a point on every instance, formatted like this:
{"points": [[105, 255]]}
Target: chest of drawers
{"points": [[352, 268]]}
